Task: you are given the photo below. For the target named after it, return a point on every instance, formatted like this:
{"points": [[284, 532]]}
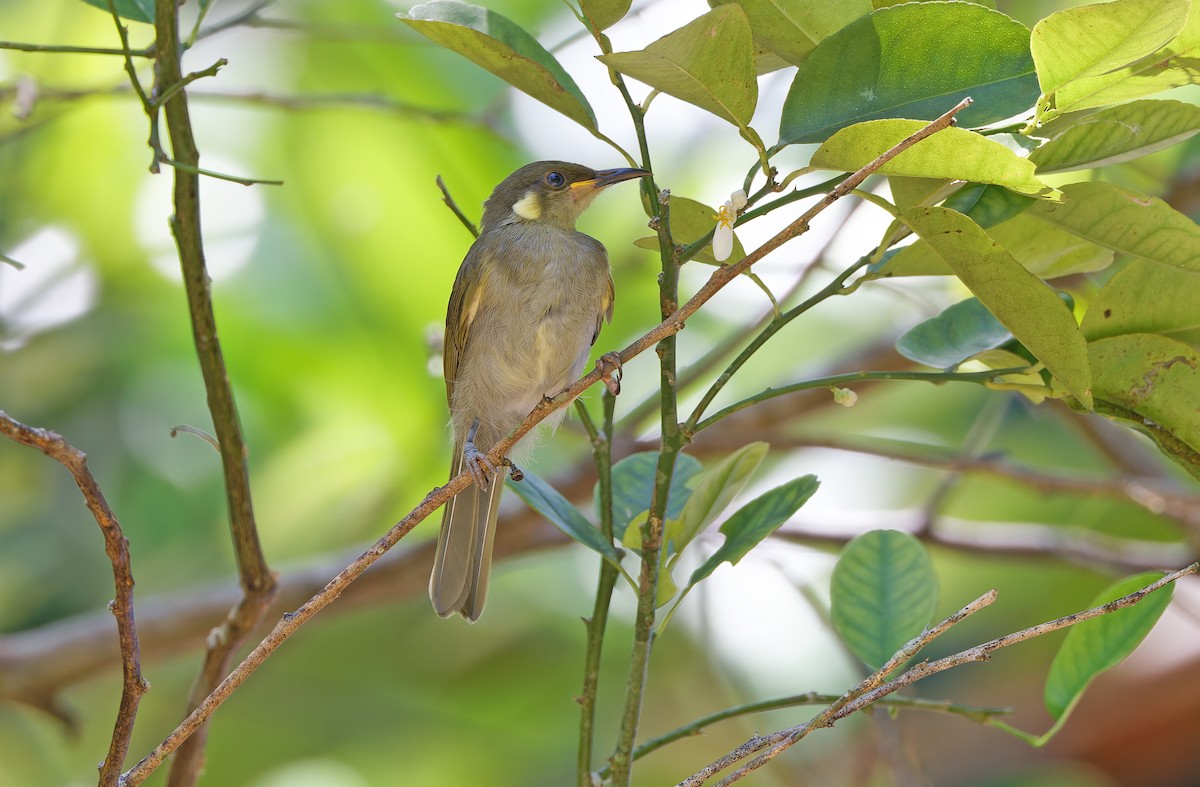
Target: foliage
{"points": [[1057, 272]]}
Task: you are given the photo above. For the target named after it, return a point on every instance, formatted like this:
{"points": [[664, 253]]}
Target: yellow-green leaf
{"points": [[951, 154], [708, 62], [1127, 222]]}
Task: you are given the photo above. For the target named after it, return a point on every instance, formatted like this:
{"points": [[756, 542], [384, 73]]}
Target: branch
{"points": [[258, 583], [116, 546], [874, 688], [698, 726], [453, 206], [77, 50]]}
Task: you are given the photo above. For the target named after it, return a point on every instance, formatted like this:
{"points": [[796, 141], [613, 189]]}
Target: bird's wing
{"points": [[460, 313], [606, 308]]}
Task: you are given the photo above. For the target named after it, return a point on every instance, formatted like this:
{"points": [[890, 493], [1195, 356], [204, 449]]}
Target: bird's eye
{"points": [[555, 180]]}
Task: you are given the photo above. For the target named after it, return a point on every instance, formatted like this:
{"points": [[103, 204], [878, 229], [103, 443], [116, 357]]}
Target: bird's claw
{"points": [[477, 463], [611, 368]]}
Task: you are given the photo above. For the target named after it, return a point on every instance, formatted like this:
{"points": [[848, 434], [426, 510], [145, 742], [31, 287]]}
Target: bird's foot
{"points": [[477, 463], [611, 368]]}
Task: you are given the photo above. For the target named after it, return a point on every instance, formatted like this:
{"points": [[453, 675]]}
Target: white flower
{"points": [[844, 396], [722, 242]]}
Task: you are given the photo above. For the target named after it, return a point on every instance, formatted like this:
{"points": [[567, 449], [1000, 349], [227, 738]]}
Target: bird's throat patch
{"points": [[529, 207]]}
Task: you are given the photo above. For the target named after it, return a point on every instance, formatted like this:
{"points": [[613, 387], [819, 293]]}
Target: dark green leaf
{"points": [[1102, 643], [950, 154], [502, 47], [882, 594], [546, 500], [136, 10], [755, 521], [960, 332], [633, 486], [708, 62], [793, 29], [1033, 312], [1117, 134], [915, 60], [987, 205]]}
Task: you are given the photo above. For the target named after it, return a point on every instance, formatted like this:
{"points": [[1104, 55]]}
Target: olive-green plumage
{"points": [[526, 306]]}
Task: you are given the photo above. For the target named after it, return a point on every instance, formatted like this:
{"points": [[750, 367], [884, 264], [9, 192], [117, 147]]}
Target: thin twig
{"points": [[698, 726], [21, 46], [453, 206], [116, 546]]}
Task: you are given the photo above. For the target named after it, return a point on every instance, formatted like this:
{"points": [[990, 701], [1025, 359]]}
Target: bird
{"points": [[526, 307]]}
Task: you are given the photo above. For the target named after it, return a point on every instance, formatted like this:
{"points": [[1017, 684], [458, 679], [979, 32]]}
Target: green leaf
{"points": [[915, 60], [755, 521], [1047, 251], [713, 491], [987, 205], [1155, 378], [502, 47], [1095, 40], [604, 13], [546, 500], [950, 154], [1117, 134], [633, 486], [708, 62], [793, 29], [960, 332], [1172, 66], [1144, 298], [136, 10], [1033, 312], [690, 221], [882, 594], [1127, 222], [1097, 645]]}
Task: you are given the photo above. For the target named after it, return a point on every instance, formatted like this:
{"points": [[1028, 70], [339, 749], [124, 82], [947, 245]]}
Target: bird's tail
{"points": [[463, 559]]}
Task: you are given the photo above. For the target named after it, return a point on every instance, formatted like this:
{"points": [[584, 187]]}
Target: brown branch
{"points": [[116, 546], [439, 495], [257, 580], [874, 688]]}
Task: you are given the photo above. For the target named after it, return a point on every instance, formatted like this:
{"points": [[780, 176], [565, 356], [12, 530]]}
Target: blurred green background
{"points": [[330, 291]]}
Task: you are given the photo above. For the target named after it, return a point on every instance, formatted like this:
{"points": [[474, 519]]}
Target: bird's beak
{"points": [[606, 177]]}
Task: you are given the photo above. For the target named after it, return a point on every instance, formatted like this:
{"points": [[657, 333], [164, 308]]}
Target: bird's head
{"points": [[553, 192]]}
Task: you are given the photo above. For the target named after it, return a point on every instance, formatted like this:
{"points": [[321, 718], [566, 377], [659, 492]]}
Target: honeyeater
{"points": [[525, 309]]}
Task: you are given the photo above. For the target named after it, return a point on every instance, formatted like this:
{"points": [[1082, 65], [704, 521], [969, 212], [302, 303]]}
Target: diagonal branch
{"points": [[133, 685]]}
